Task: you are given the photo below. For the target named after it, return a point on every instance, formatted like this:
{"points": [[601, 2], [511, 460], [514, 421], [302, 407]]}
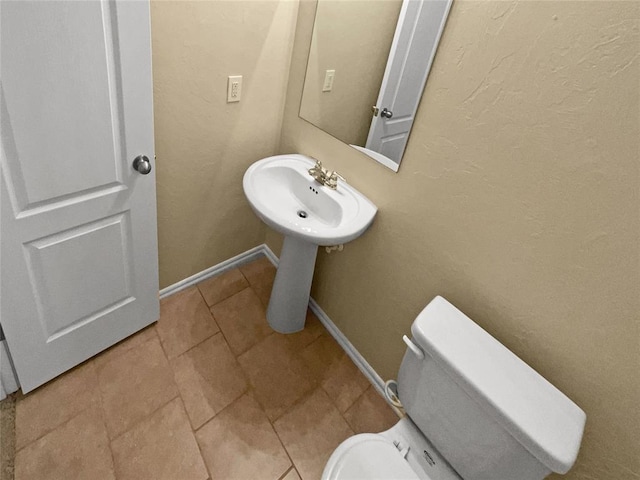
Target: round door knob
{"points": [[142, 164], [386, 113]]}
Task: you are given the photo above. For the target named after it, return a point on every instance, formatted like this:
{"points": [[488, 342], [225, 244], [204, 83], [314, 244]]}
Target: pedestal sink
{"points": [[284, 195]]}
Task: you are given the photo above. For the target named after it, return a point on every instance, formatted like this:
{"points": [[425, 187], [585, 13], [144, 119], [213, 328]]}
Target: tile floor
{"points": [[209, 392]]}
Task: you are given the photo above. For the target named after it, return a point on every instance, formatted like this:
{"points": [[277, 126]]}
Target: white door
{"points": [[414, 45], [79, 268]]}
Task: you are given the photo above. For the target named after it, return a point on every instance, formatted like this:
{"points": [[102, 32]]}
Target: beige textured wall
{"points": [[204, 144], [353, 38], [518, 200]]}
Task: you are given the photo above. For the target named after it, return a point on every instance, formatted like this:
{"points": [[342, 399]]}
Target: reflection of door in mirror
{"points": [[368, 64], [404, 79]]}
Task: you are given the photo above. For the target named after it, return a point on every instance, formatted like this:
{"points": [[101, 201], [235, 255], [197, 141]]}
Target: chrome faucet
{"points": [[325, 177]]}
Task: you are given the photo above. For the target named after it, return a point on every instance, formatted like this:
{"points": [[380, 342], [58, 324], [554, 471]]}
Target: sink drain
{"points": [[302, 214]]}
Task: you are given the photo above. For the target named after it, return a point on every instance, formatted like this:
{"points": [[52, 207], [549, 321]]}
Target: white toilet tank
{"points": [[487, 412]]}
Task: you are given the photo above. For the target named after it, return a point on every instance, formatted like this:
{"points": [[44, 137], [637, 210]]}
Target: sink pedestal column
{"points": [[289, 300]]}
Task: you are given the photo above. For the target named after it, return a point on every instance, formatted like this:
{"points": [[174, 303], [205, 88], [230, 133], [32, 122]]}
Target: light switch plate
{"points": [[329, 75], [234, 88]]}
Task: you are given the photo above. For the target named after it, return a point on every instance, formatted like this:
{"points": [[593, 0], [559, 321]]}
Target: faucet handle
{"points": [[318, 162], [332, 179], [336, 174]]}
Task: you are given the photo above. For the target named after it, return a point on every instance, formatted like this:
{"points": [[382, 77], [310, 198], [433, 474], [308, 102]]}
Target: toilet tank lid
{"points": [[545, 421]]}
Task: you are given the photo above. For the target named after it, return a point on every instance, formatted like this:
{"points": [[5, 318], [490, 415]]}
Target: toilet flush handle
{"points": [[413, 347]]}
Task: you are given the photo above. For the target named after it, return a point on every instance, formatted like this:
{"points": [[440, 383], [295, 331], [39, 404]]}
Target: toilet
{"points": [[474, 411]]}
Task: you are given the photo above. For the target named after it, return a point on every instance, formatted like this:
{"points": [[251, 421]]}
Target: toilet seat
{"points": [[368, 456]]}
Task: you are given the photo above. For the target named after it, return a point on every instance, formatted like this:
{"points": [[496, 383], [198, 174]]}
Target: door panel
{"points": [[79, 243], [81, 274], [420, 25], [392, 146], [49, 168]]}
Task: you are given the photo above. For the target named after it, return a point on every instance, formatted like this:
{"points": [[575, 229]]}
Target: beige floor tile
{"points": [[370, 413], [222, 286], [161, 447], [312, 330], [344, 383], [52, 404], [184, 321], [77, 450], [125, 345], [134, 384], [209, 378], [242, 320], [260, 274], [277, 373], [322, 356], [239, 443], [291, 475], [310, 432]]}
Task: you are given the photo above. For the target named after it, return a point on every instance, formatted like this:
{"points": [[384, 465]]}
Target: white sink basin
{"points": [[284, 195], [288, 199]]}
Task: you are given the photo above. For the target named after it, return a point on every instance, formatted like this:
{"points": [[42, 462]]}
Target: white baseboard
{"points": [[331, 327], [348, 347], [234, 262], [270, 255]]}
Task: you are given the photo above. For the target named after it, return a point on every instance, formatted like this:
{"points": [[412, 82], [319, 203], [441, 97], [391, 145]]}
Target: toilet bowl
{"points": [[475, 411], [400, 453]]}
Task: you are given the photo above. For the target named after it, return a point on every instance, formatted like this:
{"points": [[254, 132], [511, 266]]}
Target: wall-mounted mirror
{"points": [[368, 65]]}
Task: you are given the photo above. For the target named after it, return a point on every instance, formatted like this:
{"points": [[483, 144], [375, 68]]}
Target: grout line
{"points": [[286, 452], [287, 472], [246, 392], [102, 411], [197, 285], [246, 378], [206, 467], [101, 401], [240, 395], [210, 307], [226, 407], [152, 326], [343, 414], [164, 351], [192, 346], [358, 398], [158, 408], [193, 434], [221, 299], [150, 414], [81, 411], [284, 447], [248, 287], [353, 353], [47, 432], [104, 363], [219, 332], [242, 273], [235, 356]]}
